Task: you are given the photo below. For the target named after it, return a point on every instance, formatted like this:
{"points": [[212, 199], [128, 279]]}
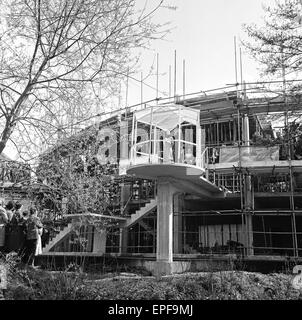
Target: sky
{"points": [[202, 33]]}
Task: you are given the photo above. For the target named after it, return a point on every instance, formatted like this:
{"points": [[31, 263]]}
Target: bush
{"points": [[231, 285]]}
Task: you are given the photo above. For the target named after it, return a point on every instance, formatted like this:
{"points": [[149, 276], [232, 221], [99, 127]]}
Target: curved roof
{"points": [[167, 117]]}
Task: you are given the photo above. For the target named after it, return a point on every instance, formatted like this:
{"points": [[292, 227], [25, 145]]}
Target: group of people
{"points": [[20, 231]]}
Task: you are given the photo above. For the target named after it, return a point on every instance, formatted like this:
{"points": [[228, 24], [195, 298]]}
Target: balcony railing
{"points": [[176, 151]]}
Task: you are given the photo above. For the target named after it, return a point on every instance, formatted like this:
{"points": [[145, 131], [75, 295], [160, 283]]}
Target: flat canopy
{"points": [[167, 117], [187, 177]]}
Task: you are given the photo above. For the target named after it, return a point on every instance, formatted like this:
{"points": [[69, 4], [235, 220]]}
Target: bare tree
{"points": [[60, 57]]}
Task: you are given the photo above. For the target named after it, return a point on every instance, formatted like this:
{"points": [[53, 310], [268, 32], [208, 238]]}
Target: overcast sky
{"points": [[202, 35]]}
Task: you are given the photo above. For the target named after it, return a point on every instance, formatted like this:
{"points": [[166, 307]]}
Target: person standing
{"points": [[168, 147], [9, 210], [22, 225], [18, 213], [33, 224], [15, 237], [9, 207]]}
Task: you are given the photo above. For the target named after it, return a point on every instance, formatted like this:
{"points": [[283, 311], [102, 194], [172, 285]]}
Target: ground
{"points": [[30, 284]]}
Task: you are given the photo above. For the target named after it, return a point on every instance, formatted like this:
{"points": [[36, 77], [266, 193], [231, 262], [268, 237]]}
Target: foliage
{"points": [[228, 285], [71, 180], [277, 43]]}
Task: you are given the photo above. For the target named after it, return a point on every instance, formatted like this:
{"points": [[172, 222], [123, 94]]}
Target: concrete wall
{"points": [[181, 266], [99, 242]]}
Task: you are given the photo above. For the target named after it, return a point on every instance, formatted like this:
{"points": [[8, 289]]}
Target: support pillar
{"points": [[246, 131], [248, 193], [164, 263], [248, 207], [165, 192], [164, 241], [177, 224], [123, 240]]}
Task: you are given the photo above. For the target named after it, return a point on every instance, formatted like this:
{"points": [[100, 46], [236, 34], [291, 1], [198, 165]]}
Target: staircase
{"points": [[146, 227], [59, 235], [140, 213]]}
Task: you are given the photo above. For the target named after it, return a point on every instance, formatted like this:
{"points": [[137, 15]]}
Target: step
{"points": [[139, 214], [57, 238]]}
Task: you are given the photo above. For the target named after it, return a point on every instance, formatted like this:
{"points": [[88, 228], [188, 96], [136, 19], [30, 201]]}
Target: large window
{"points": [[142, 235]]}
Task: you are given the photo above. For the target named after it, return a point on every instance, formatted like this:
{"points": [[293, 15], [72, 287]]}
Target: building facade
{"points": [[203, 178]]}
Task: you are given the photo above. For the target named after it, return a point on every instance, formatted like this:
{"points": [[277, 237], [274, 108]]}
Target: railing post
{"points": [[135, 138]]}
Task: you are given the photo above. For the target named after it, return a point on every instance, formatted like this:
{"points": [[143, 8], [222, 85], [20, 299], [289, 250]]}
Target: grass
{"points": [[137, 284], [30, 284]]}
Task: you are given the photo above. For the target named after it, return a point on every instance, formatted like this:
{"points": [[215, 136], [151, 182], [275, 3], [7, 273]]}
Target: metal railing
{"points": [[178, 151], [230, 181]]}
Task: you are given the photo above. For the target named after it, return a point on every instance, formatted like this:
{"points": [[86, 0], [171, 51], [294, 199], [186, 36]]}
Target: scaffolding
{"points": [[249, 170], [261, 173]]}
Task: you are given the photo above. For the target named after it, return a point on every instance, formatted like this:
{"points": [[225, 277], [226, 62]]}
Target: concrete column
{"points": [[99, 241], [248, 206], [177, 223], [164, 263], [248, 195], [246, 130], [165, 192], [249, 224], [123, 240]]}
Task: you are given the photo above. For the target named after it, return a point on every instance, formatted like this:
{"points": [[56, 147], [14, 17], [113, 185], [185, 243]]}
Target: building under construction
{"points": [[209, 176]]}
